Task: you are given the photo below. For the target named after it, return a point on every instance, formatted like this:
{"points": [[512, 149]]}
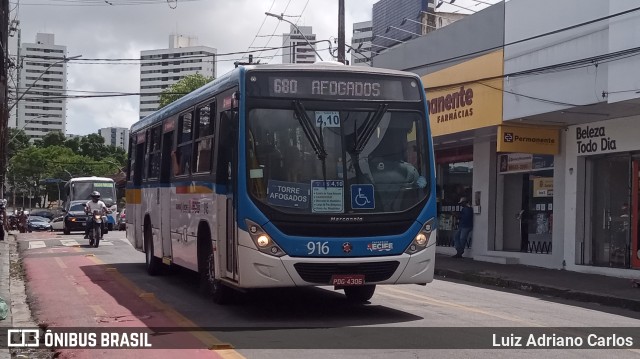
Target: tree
{"points": [[18, 140], [184, 86], [53, 138], [91, 145]]}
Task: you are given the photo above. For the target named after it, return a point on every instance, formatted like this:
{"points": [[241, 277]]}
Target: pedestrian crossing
{"points": [[62, 243]]}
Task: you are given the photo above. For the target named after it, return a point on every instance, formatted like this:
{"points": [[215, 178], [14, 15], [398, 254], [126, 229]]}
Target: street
{"points": [[108, 287]]}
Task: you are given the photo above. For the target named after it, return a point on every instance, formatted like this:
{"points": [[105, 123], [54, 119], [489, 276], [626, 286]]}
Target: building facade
{"points": [[44, 72], [159, 69], [397, 21], [115, 136], [539, 132], [361, 43], [296, 50]]}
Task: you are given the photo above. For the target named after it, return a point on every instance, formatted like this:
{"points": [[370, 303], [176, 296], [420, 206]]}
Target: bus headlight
{"points": [[262, 240], [421, 240]]}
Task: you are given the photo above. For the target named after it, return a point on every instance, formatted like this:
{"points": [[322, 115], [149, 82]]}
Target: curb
{"points": [[537, 288]]}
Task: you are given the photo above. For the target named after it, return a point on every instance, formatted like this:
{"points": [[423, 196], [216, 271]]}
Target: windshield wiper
{"points": [[317, 141], [370, 125]]}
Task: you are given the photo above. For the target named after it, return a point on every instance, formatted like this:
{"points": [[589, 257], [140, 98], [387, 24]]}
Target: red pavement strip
{"points": [[81, 291]]}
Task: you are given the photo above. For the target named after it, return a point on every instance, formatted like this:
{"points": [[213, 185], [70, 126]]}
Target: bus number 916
{"points": [[318, 247], [285, 86]]}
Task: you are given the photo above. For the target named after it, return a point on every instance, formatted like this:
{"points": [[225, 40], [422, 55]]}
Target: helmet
{"points": [[95, 194]]}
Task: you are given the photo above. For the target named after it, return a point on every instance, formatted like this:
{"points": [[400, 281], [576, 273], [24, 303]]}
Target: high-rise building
{"points": [[160, 69], [115, 136], [396, 21], [361, 43], [296, 49], [42, 109]]}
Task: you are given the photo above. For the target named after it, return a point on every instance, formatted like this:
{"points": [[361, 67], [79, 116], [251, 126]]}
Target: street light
{"points": [[26, 123], [281, 18], [39, 77], [397, 28], [115, 164]]}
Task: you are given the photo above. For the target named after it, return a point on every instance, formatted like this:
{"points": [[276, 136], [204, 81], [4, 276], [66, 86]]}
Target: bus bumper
{"points": [[259, 270]]}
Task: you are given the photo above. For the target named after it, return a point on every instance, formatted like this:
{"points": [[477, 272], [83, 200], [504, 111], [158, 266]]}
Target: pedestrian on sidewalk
{"points": [[3, 218], [465, 225]]}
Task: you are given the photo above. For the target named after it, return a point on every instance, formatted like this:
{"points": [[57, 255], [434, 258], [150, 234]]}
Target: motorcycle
{"points": [[95, 234]]}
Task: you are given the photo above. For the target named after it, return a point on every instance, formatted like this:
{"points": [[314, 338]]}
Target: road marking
{"points": [[98, 310], [423, 298], [225, 350], [82, 291], [37, 244], [60, 263], [106, 243], [69, 242]]}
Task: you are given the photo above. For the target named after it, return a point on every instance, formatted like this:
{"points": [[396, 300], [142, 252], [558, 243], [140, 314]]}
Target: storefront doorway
{"points": [[525, 194], [614, 211]]}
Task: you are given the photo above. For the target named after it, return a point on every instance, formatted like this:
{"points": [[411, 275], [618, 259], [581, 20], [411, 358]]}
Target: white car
{"points": [[57, 223]]}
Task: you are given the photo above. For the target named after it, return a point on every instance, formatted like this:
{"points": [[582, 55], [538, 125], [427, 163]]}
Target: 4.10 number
{"points": [[318, 248]]}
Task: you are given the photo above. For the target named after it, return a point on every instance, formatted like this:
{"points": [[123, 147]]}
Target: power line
{"points": [[261, 25], [460, 57], [276, 28]]}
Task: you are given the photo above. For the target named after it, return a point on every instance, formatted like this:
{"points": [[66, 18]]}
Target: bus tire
{"points": [[360, 294], [209, 285], [152, 263]]}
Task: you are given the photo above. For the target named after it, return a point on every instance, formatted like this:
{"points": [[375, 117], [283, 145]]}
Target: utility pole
{"points": [[341, 48], [4, 90]]}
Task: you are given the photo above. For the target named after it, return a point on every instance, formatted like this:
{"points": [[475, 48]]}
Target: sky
{"points": [[120, 29]]}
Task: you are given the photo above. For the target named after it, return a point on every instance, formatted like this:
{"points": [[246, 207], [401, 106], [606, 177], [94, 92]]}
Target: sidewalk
{"points": [[610, 291]]}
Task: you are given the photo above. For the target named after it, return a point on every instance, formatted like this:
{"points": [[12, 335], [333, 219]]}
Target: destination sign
{"points": [[334, 86]]}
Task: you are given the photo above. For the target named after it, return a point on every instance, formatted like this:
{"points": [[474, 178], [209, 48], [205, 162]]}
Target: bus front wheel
{"points": [[209, 285], [360, 294], [153, 264]]}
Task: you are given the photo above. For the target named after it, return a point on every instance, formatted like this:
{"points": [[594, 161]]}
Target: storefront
{"points": [[463, 113], [607, 158], [454, 172], [524, 204]]}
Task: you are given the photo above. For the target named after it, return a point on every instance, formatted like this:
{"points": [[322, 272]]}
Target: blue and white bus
{"points": [[80, 188], [288, 175]]}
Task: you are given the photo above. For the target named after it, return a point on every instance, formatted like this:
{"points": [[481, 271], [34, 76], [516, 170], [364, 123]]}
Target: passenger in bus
{"points": [[180, 160]]}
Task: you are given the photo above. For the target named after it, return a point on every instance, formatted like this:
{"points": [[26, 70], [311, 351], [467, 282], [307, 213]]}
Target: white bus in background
{"points": [[80, 188]]}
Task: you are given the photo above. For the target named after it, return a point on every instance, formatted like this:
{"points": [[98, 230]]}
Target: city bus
{"points": [[287, 176], [80, 188]]}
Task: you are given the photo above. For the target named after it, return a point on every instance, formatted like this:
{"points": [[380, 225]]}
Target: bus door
{"points": [[226, 175], [134, 213], [165, 190]]}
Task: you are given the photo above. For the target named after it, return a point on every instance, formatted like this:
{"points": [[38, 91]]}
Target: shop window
{"points": [[455, 181], [526, 201]]}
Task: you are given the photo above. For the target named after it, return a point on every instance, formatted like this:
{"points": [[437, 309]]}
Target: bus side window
{"points": [[182, 155], [202, 161], [153, 149], [226, 142]]}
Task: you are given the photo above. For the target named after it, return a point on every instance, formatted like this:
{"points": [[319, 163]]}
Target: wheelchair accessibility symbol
{"points": [[362, 196]]}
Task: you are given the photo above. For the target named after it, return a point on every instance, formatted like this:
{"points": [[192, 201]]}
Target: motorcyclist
{"points": [[95, 204], [3, 218]]}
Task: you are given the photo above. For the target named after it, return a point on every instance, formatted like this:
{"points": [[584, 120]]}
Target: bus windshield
{"points": [[299, 166], [82, 190]]}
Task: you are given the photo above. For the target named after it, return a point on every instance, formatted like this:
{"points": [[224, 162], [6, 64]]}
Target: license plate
{"points": [[347, 279], [84, 224]]}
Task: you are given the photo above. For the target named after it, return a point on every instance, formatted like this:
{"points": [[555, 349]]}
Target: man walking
{"points": [[465, 225]]}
